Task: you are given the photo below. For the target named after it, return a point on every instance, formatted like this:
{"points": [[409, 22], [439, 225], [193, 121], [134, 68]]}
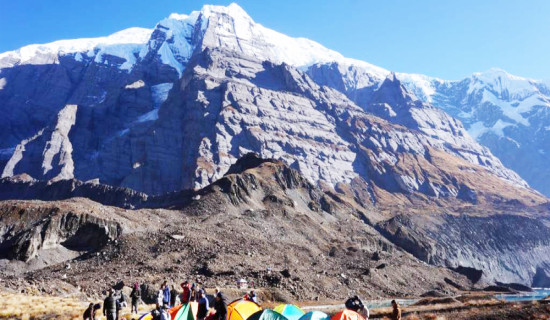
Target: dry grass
{"points": [[27, 307]]}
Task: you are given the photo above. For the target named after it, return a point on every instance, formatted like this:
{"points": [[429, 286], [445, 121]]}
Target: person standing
{"points": [[396, 313], [165, 294], [173, 296], [135, 295], [193, 297], [109, 306], [220, 306], [186, 293], [203, 306]]}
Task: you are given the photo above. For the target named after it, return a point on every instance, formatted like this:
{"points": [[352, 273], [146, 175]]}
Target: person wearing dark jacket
{"points": [[135, 295], [203, 306], [173, 296], [220, 306], [355, 304], [109, 306]]}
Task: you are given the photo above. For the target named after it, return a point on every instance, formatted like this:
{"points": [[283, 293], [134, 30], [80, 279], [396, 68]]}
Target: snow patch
{"points": [[478, 129], [149, 116], [167, 57], [3, 83], [135, 85], [122, 44], [160, 93]]}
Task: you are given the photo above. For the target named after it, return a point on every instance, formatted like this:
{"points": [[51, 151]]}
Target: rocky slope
{"points": [[263, 222]]}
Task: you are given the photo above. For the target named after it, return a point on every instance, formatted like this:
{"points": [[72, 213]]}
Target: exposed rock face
{"points": [[26, 232], [173, 111], [505, 113], [498, 246], [174, 108], [16, 188]]}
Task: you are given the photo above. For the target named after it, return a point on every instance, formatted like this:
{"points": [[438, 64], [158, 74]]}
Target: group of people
{"points": [[169, 297], [112, 306], [355, 304]]}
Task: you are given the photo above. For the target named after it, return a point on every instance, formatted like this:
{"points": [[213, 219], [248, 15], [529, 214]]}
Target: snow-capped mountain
{"points": [[508, 114], [173, 107], [98, 107]]}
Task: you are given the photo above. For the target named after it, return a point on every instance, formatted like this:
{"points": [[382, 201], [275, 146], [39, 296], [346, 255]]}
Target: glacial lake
{"points": [[537, 294]]}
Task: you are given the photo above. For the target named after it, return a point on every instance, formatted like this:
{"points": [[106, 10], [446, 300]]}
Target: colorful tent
{"points": [[173, 311], [347, 314], [315, 315], [267, 315], [241, 309], [187, 311], [290, 311]]}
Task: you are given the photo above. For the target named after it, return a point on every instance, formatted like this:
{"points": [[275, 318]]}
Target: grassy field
{"points": [[27, 307]]}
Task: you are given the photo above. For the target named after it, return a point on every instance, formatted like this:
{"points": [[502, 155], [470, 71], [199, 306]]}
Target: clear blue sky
{"points": [[447, 39]]}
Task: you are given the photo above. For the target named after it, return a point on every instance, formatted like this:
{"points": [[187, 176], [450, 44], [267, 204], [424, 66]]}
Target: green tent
{"points": [[267, 315], [185, 313]]}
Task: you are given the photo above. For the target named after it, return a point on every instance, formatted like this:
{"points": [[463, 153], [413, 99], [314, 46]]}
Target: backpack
{"points": [[155, 314]]}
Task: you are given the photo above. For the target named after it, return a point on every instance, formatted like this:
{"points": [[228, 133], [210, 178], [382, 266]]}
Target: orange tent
{"points": [[347, 314], [241, 309]]}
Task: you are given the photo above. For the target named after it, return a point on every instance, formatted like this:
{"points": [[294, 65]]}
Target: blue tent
{"points": [[315, 315]]}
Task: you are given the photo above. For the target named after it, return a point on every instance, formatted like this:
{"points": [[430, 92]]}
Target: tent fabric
{"points": [[315, 315], [347, 314], [186, 312], [267, 315], [241, 309], [290, 311], [173, 311]]}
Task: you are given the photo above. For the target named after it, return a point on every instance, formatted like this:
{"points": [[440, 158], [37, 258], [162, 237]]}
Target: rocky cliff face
{"points": [[26, 232], [175, 107], [172, 108], [496, 246], [507, 114]]}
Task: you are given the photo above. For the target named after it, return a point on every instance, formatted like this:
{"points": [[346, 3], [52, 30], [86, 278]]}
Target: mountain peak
{"points": [[233, 10]]}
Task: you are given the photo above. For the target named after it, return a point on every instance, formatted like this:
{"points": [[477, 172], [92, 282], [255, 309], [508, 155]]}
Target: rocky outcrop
{"points": [[25, 233], [497, 248], [18, 188]]}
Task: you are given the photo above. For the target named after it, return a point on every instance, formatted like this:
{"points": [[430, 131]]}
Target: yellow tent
{"points": [[241, 309]]}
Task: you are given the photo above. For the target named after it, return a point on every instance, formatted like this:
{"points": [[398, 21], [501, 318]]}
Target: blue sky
{"points": [[447, 39]]}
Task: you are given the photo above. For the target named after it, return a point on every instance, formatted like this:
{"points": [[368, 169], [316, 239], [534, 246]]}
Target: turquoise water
{"points": [[537, 294], [387, 303]]}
